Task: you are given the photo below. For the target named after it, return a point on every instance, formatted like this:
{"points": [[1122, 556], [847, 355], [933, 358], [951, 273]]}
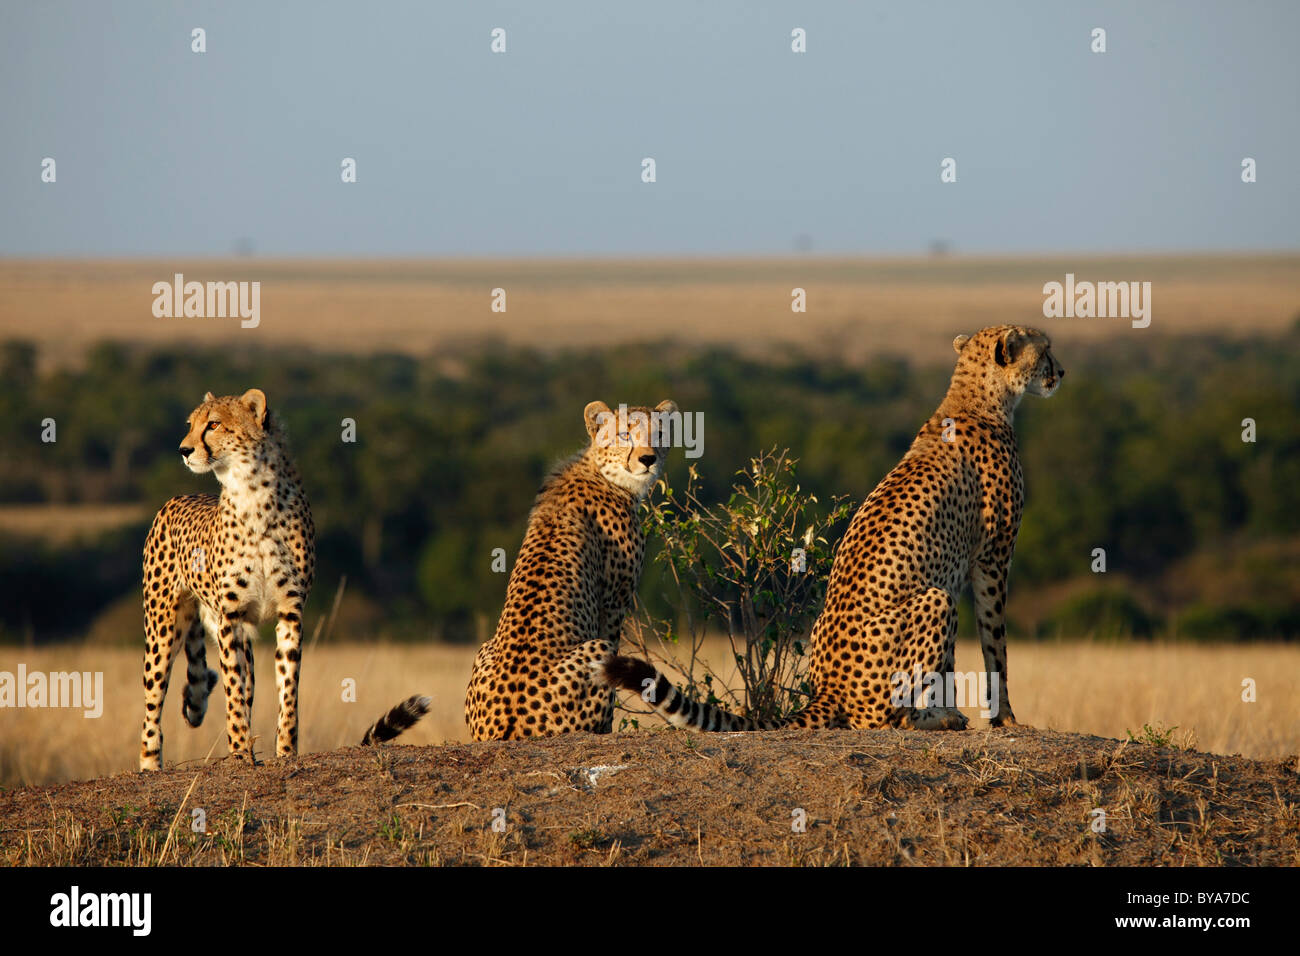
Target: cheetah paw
{"points": [[194, 710], [596, 672], [937, 718]]}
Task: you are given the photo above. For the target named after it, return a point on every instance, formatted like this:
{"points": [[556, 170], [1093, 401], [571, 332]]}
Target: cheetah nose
{"points": [[1061, 374], [186, 451], [648, 460]]}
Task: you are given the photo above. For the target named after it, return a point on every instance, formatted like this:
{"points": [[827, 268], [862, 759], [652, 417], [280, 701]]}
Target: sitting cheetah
{"points": [[572, 584], [227, 563], [948, 513]]}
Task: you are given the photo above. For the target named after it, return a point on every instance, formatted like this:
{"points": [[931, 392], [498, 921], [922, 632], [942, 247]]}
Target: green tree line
{"points": [[1140, 453]]}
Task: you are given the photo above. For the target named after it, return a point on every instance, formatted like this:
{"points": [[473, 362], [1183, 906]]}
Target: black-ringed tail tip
{"points": [[672, 705], [396, 721]]}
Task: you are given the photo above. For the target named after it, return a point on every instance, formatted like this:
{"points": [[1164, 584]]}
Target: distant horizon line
{"points": [[652, 257]]}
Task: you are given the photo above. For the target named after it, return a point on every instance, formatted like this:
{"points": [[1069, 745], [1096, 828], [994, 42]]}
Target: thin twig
{"points": [[172, 829]]}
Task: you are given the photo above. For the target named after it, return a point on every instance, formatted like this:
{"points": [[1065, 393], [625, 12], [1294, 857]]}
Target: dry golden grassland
{"points": [[1070, 686], [856, 307], [58, 525]]}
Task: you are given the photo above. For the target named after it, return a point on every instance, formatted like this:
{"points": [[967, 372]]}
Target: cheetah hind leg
{"points": [[162, 638], [200, 678], [934, 718], [931, 636]]}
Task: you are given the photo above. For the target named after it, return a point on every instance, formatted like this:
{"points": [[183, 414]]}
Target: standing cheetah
{"points": [[226, 564], [948, 513], [572, 585]]}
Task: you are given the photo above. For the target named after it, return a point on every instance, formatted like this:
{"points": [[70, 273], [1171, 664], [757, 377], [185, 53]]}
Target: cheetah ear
{"points": [[208, 397], [1008, 348], [959, 343], [661, 432], [593, 414], [255, 400]]}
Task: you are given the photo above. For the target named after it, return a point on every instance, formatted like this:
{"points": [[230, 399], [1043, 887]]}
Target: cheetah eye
{"points": [[624, 436], [212, 425]]}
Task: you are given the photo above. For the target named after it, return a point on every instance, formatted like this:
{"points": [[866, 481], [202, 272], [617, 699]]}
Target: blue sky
{"points": [[537, 151]]}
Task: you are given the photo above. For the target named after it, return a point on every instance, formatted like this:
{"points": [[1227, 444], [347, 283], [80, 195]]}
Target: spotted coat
{"points": [[571, 586], [225, 563], [946, 515]]}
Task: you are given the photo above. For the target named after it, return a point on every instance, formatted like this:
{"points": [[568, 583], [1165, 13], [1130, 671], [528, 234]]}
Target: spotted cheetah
{"points": [[948, 513], [226, 564], [572, 584]]}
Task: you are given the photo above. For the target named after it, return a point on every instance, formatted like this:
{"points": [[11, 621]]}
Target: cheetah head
{"points": [[628, 444], [220, 427], [1009, 360]]}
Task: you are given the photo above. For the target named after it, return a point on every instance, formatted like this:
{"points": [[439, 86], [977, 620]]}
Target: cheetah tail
{"points": [[671, 704], [400, 718]]}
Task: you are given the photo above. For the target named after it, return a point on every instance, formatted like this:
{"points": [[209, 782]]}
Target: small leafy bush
{"points": [[754, 569]]}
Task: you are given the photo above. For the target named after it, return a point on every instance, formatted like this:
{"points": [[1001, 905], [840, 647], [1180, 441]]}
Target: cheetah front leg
{"points": [[288, 646], [927, 633], [989, 585]]}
